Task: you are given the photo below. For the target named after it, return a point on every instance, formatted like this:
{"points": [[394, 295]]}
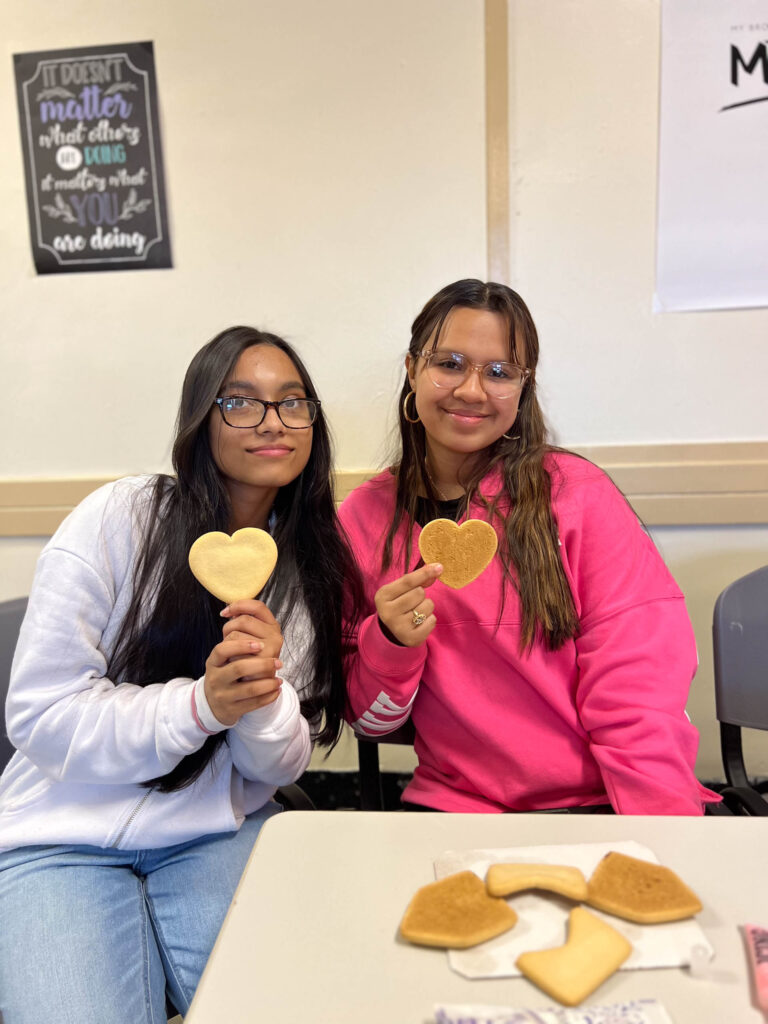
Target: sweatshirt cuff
{"points": [[205, 719], [272, 717], [384, 657]]}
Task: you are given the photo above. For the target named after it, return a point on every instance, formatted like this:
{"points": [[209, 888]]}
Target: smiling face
{"points": [[462, 420], [257, 461]]}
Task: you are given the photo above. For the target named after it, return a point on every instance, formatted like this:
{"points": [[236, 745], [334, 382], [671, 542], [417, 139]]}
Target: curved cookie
{"points": [[505, 879]]}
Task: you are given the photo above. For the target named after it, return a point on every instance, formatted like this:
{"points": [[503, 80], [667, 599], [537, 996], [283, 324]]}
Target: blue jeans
{"points": [[94, 936]]}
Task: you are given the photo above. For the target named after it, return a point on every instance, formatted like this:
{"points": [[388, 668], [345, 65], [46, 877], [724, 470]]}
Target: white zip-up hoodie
{"points": [[85, 744]]}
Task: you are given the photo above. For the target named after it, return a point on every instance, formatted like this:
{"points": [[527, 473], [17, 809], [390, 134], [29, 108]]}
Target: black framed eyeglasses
{"points": [[499, 379], [242, 412]]}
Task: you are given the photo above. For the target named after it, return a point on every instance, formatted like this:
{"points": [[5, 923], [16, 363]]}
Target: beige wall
{"points": [[326, 173], [584, 86], [325, 170]]}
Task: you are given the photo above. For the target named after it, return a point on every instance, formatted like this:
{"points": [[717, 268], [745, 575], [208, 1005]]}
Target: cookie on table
{"points": [[640, 891], [455, 913], [570, 973], [506, 879]]}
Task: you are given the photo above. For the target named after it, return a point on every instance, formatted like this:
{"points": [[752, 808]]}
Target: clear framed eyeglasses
{"points": [[499, 379], [242, 412]]}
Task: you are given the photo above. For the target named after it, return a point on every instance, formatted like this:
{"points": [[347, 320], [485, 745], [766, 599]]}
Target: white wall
{"points": [[584, 77], [325, 173]]}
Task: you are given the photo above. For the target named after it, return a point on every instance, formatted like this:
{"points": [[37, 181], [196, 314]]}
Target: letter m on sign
{"points": [[760, 54]]}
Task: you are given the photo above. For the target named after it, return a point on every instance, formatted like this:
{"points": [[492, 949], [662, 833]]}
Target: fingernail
{"points": [[224, 611], [278, 663], [256, 646], [436, 567]]}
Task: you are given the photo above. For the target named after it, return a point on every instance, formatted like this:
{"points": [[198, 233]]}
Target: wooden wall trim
{"points": [[718, 483], [721, 483], [497, 141]]}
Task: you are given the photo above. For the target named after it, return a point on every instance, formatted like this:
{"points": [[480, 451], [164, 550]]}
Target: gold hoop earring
{"points": [[512, 437], [405, 408]]}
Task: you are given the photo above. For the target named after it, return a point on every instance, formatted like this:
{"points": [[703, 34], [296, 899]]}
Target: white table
{"points": [[311, 935]]}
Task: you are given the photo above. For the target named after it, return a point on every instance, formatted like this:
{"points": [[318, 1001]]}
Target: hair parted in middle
{"points": [[313, 558], [529, 547]]}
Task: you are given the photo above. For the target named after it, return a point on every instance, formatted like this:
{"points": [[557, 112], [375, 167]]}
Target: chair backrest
{"points": [[11, 615], [740, 641]]}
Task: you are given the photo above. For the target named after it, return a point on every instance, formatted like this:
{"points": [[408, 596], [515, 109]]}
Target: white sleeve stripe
{"points": [[376, 729], [385, 701], [383, 712], [382, 716]]}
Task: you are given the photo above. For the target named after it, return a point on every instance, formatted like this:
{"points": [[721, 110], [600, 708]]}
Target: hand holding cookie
{"points": [[404, 608], [238, 679], [240, 671], [252, 620]]}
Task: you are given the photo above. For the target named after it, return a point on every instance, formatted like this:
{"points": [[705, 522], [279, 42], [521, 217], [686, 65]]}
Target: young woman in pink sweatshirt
{"points": [[556, 680]]}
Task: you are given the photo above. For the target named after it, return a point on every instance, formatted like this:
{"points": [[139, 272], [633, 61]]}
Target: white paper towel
{"points": [[543, 917]]}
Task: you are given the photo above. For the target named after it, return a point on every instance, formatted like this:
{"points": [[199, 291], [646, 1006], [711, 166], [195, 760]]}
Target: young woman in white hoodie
{"points": [[152, 727]]}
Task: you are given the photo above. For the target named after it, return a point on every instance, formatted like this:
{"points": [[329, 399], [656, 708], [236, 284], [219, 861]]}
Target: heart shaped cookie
{"points": [[233, 568], [464, 551]]}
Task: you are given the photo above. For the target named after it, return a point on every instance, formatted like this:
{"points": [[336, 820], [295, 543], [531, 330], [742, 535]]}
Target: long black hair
{"points": [[183, 625], [529, 550]]}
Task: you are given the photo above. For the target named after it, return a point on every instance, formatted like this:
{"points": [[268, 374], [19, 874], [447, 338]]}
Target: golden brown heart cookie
{"points": [[233, 568], [464, 551]]}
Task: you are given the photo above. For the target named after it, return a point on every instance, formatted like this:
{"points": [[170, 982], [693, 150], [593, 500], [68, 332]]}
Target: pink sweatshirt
{"points": [[600, 720]]}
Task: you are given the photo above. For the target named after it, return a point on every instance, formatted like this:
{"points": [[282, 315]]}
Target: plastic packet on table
{"points": [[636, 1011]]}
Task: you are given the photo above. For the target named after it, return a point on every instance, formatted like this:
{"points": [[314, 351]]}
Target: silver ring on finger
{"points": [[418, 617]]}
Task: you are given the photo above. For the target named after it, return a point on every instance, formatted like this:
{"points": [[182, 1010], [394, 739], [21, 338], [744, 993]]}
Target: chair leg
{"points": [[293, 798], [733, 757], [371, 793]]}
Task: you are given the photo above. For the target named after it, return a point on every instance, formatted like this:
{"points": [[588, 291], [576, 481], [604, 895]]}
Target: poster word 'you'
{"points": [[92, 158]]}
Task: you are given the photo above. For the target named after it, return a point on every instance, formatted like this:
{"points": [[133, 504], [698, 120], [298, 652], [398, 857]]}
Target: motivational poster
{"points": [[92, 158], [713, 149]]}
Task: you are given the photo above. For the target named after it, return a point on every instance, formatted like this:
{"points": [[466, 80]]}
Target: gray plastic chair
{"points": [[11, 615], [740, 640]]}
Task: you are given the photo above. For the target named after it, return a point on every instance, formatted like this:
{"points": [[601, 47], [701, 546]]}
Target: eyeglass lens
{"points": [[450, 369], [250, 412]]}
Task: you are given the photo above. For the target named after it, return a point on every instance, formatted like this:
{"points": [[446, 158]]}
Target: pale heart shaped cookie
{"points": [[464, 551], [233, 568]]}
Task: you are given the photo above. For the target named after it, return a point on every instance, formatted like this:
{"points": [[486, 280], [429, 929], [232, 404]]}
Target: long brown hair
{"points": [[529, 547]]}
